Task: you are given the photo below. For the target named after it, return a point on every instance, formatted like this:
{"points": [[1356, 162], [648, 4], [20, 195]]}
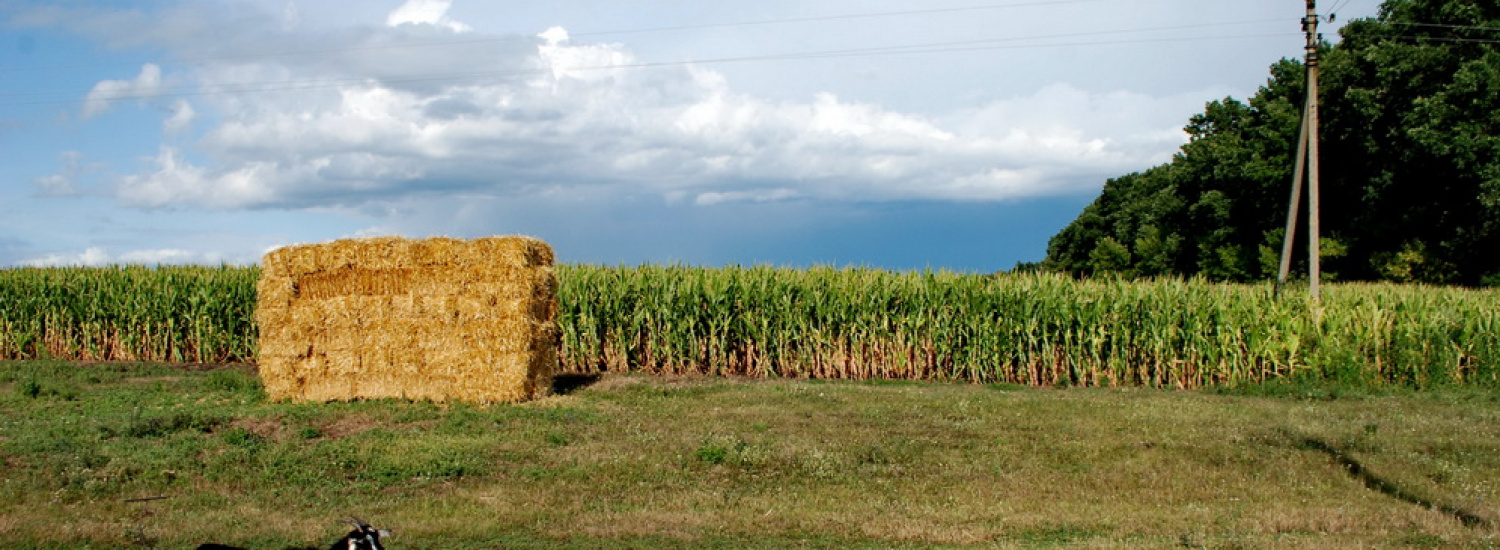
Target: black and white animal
{"points": [[363, 537]]}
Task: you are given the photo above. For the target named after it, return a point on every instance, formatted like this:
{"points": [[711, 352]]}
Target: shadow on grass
{"points": [[1374, 482], [564, 384]]}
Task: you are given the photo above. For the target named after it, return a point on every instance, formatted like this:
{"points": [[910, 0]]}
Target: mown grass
{"points": [[633, 461]]}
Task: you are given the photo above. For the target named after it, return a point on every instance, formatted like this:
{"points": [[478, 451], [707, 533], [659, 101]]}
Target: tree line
{"points": [[1410, 109]]}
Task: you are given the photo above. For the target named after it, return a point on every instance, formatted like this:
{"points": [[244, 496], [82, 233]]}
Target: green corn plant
{"points": [[857, 323]]}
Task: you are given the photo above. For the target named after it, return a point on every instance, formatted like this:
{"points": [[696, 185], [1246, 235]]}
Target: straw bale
{"points": [[440, 319]]}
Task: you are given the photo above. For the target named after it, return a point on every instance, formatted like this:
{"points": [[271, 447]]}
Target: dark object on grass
{"points": [[363, 537]]}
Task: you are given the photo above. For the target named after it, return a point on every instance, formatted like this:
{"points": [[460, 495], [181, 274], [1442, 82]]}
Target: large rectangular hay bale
{"points": [[440, 319]]}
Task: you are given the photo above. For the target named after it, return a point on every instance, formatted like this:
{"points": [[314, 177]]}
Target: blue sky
{"points": [[886, 133]]}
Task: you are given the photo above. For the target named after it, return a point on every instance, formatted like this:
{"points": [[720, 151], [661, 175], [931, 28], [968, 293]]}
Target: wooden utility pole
{"points": [[1307, 160], [1290, 235]]}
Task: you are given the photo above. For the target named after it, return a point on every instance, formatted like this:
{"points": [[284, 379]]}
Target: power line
{"points": [[293, 85], [835, 17], [491, 40], [973, 45], [1454, 39], [29, 98], [1442, 26], [1338, 6], [924, 48], [934, 47], [1450, 27]]}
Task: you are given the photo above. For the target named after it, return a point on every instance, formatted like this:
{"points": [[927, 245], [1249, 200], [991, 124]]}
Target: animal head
{"points": [[363, 537]]}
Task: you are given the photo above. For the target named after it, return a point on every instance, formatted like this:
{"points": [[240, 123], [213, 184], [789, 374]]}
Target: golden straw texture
{"points": [[440, 319]]}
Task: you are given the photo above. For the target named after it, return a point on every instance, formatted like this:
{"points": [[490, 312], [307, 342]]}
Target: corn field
{"points": [[1036, 329], [171, 314]]}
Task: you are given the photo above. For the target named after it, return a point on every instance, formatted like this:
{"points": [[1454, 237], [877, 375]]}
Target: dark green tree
{"points": [[1411, 165]]}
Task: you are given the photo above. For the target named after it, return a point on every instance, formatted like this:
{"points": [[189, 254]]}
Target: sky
{"points": [[900, 134]]}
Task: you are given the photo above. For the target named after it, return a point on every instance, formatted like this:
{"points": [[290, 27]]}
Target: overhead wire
{"points": [[1443, 26], [1449, 27], [836, 17], [1334, 10], [936, 47], [511, 38], [1453, 39], [1006, 43]]}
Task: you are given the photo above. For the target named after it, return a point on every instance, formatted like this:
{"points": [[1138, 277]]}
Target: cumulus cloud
{"points": [[286, 120], [106, 93], [426, 12], [378, 119], [182, 115], [178, 181], [1061, 117]]}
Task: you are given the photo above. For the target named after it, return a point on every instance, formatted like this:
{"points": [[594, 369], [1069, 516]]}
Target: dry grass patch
{"points": [[347, 425]]}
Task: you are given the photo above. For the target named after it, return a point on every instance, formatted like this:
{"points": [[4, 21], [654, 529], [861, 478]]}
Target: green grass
{"points": [[634, 461]]}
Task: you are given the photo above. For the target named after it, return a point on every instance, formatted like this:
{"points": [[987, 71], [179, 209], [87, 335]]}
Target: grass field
{"points": [[111, 455]]}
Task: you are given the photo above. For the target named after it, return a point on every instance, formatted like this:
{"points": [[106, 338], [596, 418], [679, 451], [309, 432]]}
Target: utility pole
{"points": [[1307, 160], [1290, 235]]}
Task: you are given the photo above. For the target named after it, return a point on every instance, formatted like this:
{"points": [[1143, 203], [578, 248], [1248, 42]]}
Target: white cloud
{"points": [[179, 181], [374, 121], [767, 195], [97, 256], [168, 256], [1061, 119], [92, 257], [583, 62], [63, 183], [308, 120], [579, 123], [55, 185], [182, 116], [104, 94], [425, 12], [291, 17]]}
